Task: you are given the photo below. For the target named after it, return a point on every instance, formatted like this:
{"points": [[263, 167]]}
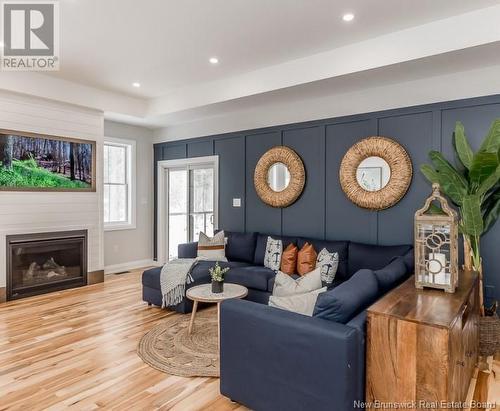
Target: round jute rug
{"points": [[169, 348]]}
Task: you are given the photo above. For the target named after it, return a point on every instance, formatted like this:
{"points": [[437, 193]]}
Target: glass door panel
{"points": [[177, 210], [201, 202]]}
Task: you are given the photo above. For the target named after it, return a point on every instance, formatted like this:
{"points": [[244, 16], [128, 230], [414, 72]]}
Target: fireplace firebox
{"points": [[44, 262]]}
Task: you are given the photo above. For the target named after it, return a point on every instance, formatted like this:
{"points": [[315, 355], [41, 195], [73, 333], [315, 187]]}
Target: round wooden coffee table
{"points": [[203, 293]]}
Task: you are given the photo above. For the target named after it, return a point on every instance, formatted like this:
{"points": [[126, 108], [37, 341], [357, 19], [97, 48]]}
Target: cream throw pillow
{"points": [[302, 303], [284, 285], [212, 248]]}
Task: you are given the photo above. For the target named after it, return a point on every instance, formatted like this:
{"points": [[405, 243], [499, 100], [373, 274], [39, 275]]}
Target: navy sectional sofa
{"points": [[273, 359]]}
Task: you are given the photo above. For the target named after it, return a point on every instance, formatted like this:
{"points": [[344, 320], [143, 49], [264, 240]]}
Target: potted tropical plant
{"points": [[473, 186], [217, 275]]}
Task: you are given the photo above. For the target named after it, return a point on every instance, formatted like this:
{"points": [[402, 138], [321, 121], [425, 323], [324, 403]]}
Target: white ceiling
{"points": [[166, 44], [270, 51]]}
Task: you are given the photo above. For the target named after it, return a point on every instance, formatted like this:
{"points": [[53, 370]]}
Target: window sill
{"points": [[118, 227]]}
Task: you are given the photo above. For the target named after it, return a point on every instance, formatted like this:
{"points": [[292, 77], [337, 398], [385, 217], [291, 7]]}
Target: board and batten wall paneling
{"points": [[323, 211], [200, 148], [259, 216], [306, 216], [414, 133], [231, 152], [343, 219], [30, 212]]}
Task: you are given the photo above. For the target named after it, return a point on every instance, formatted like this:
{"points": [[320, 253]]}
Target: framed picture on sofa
{"points": [[39, 162]]}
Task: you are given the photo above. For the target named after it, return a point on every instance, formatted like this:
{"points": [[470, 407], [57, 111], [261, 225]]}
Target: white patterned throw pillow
{"points": [[328, 263], [300, 303], [212, 248], [285, 285], [272, 258]]}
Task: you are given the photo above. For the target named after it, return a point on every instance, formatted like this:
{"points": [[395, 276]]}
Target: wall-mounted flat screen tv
{"points": [[32, 162]]}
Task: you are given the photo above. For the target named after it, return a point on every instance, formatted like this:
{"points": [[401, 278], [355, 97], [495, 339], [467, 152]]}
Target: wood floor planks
{"points": [[76, 349]]}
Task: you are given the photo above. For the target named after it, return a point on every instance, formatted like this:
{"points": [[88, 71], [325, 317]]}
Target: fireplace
{"points": [[44, 262]]}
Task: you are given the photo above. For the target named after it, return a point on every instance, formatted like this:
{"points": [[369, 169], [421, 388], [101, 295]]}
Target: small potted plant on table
{"points": [[217, 274]]}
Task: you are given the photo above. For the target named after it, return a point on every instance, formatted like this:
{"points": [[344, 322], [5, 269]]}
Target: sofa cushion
{"points": [[240, 246], [339, 247], [260, 246], [256, 277], [409, 260], [373, 257], [391, 275], [284, 285], [348, 299]]}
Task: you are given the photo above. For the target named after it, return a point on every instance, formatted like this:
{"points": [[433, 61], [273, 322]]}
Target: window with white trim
{"points": [[119, 187]]}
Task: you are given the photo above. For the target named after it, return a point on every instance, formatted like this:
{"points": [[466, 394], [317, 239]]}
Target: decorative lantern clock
{"points": [[436, 242]]}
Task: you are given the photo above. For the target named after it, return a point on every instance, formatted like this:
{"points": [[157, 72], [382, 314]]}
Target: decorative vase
{"points": [[217, 287]]}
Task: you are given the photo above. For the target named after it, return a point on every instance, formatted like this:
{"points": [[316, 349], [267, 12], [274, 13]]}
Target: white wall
{"points": [[30, 212], [126, 249], [298, 105]]}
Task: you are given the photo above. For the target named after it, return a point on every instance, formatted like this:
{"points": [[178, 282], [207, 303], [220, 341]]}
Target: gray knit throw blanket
{"points": [[173, 279]]}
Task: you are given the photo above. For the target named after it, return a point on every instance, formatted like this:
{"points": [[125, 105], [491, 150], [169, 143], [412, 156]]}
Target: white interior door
{"points": [[190, 189]]}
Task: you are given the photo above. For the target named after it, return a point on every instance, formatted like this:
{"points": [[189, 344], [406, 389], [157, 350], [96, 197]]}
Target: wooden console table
{"points": [[422, 345]]}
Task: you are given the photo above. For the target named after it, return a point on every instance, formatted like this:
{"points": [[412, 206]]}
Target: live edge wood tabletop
{"points": [[422, 345]]}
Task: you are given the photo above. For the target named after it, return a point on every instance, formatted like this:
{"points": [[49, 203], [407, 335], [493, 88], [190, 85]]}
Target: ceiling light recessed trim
{"points": [[213, 60], [348, 17], [136, 84]]}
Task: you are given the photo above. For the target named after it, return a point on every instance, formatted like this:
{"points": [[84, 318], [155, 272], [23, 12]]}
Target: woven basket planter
{"points": [[489, 335]]}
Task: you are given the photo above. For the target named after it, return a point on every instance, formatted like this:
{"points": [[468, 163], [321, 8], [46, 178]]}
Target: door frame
{"points": [[162, 196]]}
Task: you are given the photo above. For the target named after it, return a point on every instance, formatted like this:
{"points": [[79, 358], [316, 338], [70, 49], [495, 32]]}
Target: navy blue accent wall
{"points": [[323, 211]]}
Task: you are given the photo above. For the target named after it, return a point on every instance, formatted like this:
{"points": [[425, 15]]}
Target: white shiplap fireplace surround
{"points": [[35, 212]]}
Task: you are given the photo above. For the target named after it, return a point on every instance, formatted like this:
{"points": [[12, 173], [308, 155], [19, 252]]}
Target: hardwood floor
{"points": [[76, 349]]}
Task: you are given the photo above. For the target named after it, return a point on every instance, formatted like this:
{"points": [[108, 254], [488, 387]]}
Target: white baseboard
{"points": [[130, 265]]}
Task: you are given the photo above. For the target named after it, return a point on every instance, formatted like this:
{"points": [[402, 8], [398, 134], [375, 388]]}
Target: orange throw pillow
{"points": [[306, 259], [289, 259]]}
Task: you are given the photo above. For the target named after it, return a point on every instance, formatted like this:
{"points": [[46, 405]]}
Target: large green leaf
{"points": [[453, 184], [483, 165], [462, 146], [489, 182], [492, 211], [429, 173], [472, 219], [491, 144]]}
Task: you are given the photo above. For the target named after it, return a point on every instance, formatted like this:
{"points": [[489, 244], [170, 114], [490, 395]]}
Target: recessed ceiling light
{"points": [[213, 60], [348, 17], [136, 84]]}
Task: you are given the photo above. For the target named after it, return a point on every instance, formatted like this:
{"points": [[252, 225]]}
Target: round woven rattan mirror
{"points": [[279, 177], [383, 182]]}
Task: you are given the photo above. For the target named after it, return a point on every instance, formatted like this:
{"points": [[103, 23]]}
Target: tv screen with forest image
{"points": [[32, 162]]}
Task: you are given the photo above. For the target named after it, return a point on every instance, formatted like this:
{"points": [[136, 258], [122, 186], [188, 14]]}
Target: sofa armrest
{"points": [[187, 250], [278, 360]]}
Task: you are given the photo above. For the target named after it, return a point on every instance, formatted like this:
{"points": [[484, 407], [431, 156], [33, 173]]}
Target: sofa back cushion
{"points": [[391, 275], [339, 247], [240, 246], [260, 246], [373, 257], [349, 298]]}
